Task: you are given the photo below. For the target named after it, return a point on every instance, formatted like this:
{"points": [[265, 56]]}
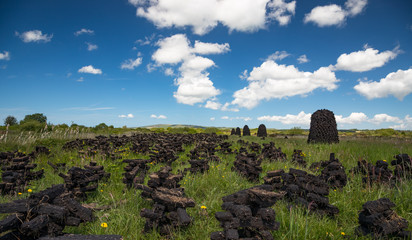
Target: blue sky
{"points": [[208, 62]]}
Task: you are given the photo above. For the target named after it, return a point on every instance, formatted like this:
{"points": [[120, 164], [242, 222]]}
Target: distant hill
{"points": [[172, 126]]}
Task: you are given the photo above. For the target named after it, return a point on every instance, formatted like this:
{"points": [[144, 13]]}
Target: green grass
{"points": [[207, 189]]}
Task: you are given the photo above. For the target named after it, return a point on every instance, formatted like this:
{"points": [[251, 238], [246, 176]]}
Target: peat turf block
{"points": [[170, 202], [248, 214], [42, 214], [378, 219], [247, 165], [403, 166], [304, 189], [272, 153], [135, 171]]}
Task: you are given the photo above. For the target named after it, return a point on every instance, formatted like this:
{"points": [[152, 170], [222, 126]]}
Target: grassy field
{"points": [[207, 189]]}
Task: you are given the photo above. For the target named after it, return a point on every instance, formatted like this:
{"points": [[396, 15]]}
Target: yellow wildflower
{"points": [[29, 190], [203, 207], [20, 193], [103, 225], [342, 233]]}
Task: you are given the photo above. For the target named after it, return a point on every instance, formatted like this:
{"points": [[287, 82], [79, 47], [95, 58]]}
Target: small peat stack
{"points": [[233, 132], [323, 128], [248, 214], [403, 166], [81, 181], [170, 203], [380, 173], [298, 157], [247, 165], [39, 150], [45, 213], [225, 147], [333, 172], [198, 166], [237, 132], [262, 131], [135, 171], [17, 173], [163, 154], [246, 130], [380, 221], [272, 153], [255, 147], [304, 189]]}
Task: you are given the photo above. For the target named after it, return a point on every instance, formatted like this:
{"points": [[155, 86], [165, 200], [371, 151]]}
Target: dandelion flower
{"points": [[101, 190], [29, 190], [342, 233], [103, 225], [20, 193], [203, 207]]}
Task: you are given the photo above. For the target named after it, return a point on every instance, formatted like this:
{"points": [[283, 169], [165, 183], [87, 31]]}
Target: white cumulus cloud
{"points": [[126, 116], [354, 7], [212, 119], [213, 105], [90, 69], [169, 72], [131, 64], [405, 124], [194, 84], [281, 11], [204, 15], [335, 15], [272, 80], [34, 36], [365, 60], [303, 59], [397, 84], [301, 118], [158, 117], [84, 31], [5, 56], [278, 55], [353, 118], [384, 118], [91, 46], [210, 48]]}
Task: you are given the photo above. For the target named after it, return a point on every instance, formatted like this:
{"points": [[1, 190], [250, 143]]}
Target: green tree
{"points": [[101, 126], [10, 120], [39, 117]]}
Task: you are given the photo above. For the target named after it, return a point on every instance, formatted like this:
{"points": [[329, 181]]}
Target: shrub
{"points": [[32, 125], [211, 130]]}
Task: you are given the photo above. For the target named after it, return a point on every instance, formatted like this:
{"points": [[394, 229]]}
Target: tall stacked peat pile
{"points": [[323, 128], [262, 131]]}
